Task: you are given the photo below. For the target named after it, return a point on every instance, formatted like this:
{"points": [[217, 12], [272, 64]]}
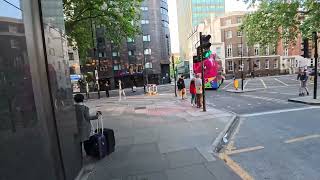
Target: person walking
{"points": [[107, 89], [121, 90], [193, 92], [83, 118], [181, 86], [303, 77], [198, 84]]}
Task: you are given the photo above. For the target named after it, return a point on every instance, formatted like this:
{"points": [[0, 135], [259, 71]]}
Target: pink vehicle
{"points": [[212, 71]]}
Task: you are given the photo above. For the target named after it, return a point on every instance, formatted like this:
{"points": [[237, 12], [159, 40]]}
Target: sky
{"points": [[231, 5], [8, 10]]}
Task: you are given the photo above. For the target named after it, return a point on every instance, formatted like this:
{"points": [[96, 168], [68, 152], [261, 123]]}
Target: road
{"points": [[276, 139]]}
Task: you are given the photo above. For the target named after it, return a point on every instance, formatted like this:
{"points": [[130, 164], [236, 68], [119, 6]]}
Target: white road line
{"points": [[281, 82], [238, 151], [298, 139], [279, 111], [227, 85], [245, 84], [264, 84], [266, 99]]}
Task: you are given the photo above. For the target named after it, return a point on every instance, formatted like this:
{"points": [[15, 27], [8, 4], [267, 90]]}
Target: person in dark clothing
{"points": [[181, 87], [107, 89], [83, 118]]}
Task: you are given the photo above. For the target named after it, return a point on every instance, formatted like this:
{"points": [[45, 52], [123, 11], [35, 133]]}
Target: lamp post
{"points": [[175, 77], [242, 65], [202, 75], [315, 88]]}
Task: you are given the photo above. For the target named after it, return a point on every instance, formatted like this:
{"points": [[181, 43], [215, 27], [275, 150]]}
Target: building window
{"points": [[146, 38], [147, 51], [230, 66], [241, 65], [163, 11], [144, 8], [286, 52], [101, 54], [71, 56], [229, 50], [144, 21], [297, 64], [130, 40], [266, 64], [116, 67], [14, 43], [258, 64], [115, 54], [256, 50], [240, 50], [239, 33], [131, 53], [275, 64], [13, 29], [239, 20], [228, 22], [229, 34], [267, 51]]}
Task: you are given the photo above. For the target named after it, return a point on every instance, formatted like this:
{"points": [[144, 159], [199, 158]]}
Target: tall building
{"points": [[148, 53], [191, 13]]}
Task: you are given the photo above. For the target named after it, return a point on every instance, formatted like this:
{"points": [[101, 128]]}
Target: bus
{"points": [[212, 73]]}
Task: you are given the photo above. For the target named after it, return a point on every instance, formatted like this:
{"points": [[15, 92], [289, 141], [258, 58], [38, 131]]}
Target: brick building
{"points": [[242, 58]]}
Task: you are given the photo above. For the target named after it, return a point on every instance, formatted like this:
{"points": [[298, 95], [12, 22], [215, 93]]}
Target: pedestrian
{"points": [[303, 77], [121, 90], [87, 90], [107, 89], [193, 92], [83, 120], [198, 84], [181, 86]]}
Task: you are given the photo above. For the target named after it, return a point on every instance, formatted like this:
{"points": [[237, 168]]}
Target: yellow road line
{"points": [[245, 150], [298, 139], [235, 167]]}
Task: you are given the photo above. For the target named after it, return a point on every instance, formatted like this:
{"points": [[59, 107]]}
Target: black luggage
{"points": [[96, 146], [111, 143]]}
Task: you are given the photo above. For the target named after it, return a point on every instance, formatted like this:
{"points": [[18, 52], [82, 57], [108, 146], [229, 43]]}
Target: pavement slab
{"points": [[159, 137]]}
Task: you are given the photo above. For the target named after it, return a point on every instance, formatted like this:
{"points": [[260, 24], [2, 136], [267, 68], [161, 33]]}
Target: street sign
{"points": [[75, 77]]}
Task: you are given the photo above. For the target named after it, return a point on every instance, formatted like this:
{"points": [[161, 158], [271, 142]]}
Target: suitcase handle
{"points": [[99, 121]]}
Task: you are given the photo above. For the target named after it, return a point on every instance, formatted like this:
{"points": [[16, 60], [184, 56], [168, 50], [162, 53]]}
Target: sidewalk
{"points": [[160, 138]]}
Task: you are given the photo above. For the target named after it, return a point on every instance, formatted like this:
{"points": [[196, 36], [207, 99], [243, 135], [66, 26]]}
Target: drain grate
{"points": [[139, 108]]}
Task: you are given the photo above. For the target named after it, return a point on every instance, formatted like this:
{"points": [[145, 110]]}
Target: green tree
{"points": [[118, 17], [278, 19]]}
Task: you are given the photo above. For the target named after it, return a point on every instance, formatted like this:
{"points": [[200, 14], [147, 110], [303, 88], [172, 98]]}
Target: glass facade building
{"points": [[38, 129], [202, 9]]}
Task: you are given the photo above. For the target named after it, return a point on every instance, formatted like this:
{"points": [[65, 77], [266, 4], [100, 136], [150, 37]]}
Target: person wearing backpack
{"points": [[181, 86]]}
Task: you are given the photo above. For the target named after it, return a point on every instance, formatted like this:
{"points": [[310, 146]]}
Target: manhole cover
{"points": [[142, 107]]}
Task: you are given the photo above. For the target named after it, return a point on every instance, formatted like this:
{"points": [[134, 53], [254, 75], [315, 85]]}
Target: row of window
{"points": [[228, 34], [229, 22], [145, 38], [257, 65], [130, 53], [256, 50]]}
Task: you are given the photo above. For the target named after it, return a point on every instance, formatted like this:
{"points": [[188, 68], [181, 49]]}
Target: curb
{"points": [[304, 102], [219, 143]]}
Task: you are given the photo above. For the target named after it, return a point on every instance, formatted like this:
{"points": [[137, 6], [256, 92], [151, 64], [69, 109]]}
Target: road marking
{"points": [[266, 99], [245, 84], [298, 139], [264, 84], [249, 149], [281, 82], [279, 111], [235, 167], [227, 85]]}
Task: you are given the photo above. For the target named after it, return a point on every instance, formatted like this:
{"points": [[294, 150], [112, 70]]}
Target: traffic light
{"points": [[205, 45], [305, 48]]}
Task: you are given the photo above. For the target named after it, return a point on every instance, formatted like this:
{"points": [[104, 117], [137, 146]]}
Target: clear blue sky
{"points": [[9, 11]]}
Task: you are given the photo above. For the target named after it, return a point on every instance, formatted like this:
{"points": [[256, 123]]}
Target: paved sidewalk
{"points": [[160, 138]]}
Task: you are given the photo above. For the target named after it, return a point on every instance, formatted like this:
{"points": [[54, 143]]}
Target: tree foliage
{"points": [[119, 18], [278, 19]]}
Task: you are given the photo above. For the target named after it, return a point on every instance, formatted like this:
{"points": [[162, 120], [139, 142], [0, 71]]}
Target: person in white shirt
{"points": [[121, 90]]}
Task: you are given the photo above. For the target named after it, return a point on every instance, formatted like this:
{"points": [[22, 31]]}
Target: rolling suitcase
{"points": [[96, 146], [111, 143]]}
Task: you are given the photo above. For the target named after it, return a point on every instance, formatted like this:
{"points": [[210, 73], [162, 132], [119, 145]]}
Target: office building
{"points": [[146, 55]]}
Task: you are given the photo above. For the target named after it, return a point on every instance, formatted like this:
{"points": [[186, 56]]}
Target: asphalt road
{"points": [[276, 139]]}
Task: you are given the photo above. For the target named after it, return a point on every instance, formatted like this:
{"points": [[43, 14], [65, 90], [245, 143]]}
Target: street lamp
{"points": [[315, 38]]}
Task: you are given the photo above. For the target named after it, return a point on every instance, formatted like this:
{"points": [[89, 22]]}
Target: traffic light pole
{"points": [[242, 67], [315, 37], [175, 77], [202, 76]]}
